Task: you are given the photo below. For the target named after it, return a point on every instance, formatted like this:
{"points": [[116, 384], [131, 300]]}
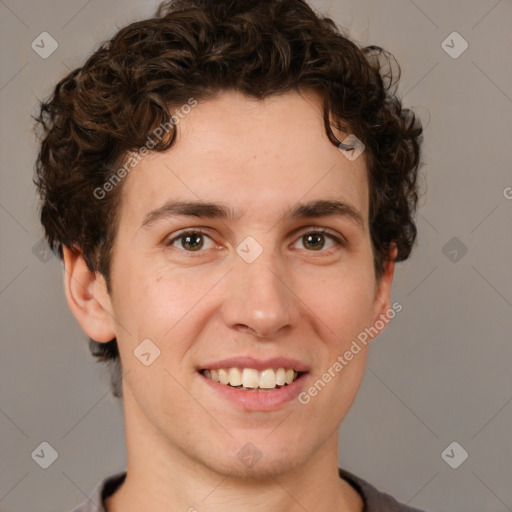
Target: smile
{"points": [[250, 379]]}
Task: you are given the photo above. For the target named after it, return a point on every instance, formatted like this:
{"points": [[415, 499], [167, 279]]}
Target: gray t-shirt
{"points": [[374, 500]]}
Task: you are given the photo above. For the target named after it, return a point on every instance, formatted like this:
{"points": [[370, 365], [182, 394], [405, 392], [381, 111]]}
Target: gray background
{"points": [[439, 373]]}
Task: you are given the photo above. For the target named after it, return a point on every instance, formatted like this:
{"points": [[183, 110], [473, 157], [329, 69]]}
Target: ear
{"points": [[87, 297], [383, 288]]}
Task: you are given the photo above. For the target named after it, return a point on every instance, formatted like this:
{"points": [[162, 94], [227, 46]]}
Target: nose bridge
{"points": [[259, 298]]}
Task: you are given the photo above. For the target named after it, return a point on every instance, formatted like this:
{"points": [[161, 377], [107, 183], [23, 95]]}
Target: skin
{"points": [[260, 158]]}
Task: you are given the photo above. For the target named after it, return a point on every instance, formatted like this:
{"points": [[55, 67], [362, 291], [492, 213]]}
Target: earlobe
{"points": [[87, 297]]}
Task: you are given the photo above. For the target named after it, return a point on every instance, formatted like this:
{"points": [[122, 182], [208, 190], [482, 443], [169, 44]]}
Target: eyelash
{"points": [[339, 241]]}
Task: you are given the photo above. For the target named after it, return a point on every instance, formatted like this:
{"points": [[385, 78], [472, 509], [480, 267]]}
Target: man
{"points": [[229, 185]]}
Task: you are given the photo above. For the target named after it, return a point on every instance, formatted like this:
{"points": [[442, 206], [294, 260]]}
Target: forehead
{"points": [[259, 157]]}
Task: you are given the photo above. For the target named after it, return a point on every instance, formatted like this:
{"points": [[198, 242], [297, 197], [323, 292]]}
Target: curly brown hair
{"points": [[107, 108]]}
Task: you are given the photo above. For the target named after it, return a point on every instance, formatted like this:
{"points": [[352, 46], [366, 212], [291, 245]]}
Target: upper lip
{"points": [[257, 364]]}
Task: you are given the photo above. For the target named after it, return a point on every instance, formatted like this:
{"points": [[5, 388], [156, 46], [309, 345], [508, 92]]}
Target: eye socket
{"points": [[195, 240]]}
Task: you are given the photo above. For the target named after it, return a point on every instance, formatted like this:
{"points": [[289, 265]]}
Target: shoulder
{"points": [[374, 500], [95, 502]]}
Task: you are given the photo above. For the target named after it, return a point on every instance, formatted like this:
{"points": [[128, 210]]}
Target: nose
{"points": [[259, 300]]}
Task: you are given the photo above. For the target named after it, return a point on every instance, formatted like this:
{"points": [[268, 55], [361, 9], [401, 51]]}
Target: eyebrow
{"points": [[201, 209]]}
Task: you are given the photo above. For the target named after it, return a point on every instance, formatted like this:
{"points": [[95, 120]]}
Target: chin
{"points": [[268, 467], [256, 458]]}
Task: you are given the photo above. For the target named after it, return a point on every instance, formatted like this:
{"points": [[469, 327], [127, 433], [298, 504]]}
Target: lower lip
{"points": [[258, 400]]}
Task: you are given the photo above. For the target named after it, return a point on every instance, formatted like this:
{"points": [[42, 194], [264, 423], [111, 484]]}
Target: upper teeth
{"points": [[251, 378]]}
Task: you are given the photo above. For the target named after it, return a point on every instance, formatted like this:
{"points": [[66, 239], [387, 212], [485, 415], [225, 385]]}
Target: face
{"points": [[260, 281]]}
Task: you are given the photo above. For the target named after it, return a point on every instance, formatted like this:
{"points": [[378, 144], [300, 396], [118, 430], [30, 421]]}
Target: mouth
{"points": [[252, 380], [253, 384]]}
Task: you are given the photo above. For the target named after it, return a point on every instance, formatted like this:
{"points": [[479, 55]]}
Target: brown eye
{"points": [[315, 241], [320, 241], [190, 241]]}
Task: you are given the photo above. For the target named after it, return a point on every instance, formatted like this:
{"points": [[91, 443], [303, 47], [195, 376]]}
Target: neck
{"points": [[163, 477]]}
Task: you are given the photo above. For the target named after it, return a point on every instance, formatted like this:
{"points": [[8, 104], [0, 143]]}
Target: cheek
{"points": [[165, 305], [145, 290], [341, 298], [139, 306], [343, 304]]}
